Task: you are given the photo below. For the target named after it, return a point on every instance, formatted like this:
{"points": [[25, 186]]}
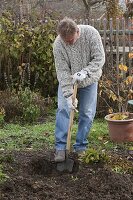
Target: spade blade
{"points": [[67, 165]]}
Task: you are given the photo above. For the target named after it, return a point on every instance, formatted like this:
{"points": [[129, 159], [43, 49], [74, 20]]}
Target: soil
{"points": [[33, 176]]}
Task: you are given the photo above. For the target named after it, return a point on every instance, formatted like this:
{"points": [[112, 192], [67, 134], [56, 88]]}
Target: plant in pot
{"points": [[116, 89]]}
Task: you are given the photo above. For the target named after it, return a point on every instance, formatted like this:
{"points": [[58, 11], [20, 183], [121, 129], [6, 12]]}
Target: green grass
{"points": [[100, 137], [16, 137]]}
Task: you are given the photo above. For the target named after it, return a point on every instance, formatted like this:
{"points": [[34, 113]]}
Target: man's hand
{"points": [[70, 103], [79, 76]]}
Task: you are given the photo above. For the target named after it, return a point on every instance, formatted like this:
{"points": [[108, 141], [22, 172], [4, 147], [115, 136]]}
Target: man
{"points": [[79, 57]]}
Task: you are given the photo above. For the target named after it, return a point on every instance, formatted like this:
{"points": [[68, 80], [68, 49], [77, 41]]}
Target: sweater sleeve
{"points": [[63, 69], [97, 59]]}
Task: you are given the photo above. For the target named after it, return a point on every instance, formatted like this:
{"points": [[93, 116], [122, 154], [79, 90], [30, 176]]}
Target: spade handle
{"points": [[68, 146]]}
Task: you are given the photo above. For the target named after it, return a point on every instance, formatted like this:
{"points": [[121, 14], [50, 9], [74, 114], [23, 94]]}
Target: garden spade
{"points": [[68, 164]]}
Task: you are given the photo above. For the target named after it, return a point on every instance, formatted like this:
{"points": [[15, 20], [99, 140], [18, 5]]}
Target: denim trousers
{"points": [[87, 100]]}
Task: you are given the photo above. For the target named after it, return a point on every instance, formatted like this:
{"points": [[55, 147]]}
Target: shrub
{"points": [[30, 111], [9, 101], [25, 45], [117, 85], [93, 156], [25, 106]]}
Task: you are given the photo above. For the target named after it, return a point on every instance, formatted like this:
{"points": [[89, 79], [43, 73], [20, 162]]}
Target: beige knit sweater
{"points": [[86, 53]]}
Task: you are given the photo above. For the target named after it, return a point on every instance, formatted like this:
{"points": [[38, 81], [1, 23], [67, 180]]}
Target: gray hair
{"points": [[67, 27]]}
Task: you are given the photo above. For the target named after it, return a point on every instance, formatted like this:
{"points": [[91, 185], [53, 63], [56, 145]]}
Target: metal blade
{"points": [[67, 165]]}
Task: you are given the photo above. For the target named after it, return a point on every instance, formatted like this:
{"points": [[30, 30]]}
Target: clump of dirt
{"points": [[33, 176]]}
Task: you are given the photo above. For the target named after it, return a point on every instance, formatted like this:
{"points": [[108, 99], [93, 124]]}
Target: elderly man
{"points": [[79, 57]]}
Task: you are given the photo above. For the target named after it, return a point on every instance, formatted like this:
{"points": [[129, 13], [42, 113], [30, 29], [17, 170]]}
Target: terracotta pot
{"points": [[120, 130]]}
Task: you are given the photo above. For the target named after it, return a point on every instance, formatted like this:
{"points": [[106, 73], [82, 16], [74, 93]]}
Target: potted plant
{"points": [[117, 85]]}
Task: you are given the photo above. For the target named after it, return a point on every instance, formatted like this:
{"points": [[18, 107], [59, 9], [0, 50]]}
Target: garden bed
{"points": [[32, 176]]}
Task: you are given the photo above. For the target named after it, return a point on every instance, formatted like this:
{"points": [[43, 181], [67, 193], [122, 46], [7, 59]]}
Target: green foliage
{"points": [[93, 156], [22, 103], [118, 170], [24, 106], [30, 111], [23, 44]]}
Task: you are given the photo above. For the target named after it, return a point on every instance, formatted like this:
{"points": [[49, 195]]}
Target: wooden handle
{"points": [[68, 146]]}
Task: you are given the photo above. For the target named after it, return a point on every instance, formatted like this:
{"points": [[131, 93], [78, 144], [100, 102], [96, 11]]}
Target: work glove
{"points": [[79, 76], [70, 103]]}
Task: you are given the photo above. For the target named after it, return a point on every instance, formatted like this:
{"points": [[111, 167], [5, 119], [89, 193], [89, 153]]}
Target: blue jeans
{"points": [[87, 108]]}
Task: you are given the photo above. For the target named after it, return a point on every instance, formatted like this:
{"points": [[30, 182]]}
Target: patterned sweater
{"points": [[86, 53]]}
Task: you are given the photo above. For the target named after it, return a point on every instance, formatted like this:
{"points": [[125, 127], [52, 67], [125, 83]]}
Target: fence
{"points": [[117, 39]]}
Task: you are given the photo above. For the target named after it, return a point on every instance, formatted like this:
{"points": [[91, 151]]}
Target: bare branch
{"points": [[90, 3], [86, 4], [93, 2]]}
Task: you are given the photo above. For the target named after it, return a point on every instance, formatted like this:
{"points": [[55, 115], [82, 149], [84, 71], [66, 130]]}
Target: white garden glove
{"points": [[79, 76], [70, 103]]}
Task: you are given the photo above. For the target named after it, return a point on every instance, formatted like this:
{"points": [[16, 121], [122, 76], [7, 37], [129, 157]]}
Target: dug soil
{"points": [[33, 176]]}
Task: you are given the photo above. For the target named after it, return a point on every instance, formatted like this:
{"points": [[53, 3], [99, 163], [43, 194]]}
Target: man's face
{"points": [[71, 39]]}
